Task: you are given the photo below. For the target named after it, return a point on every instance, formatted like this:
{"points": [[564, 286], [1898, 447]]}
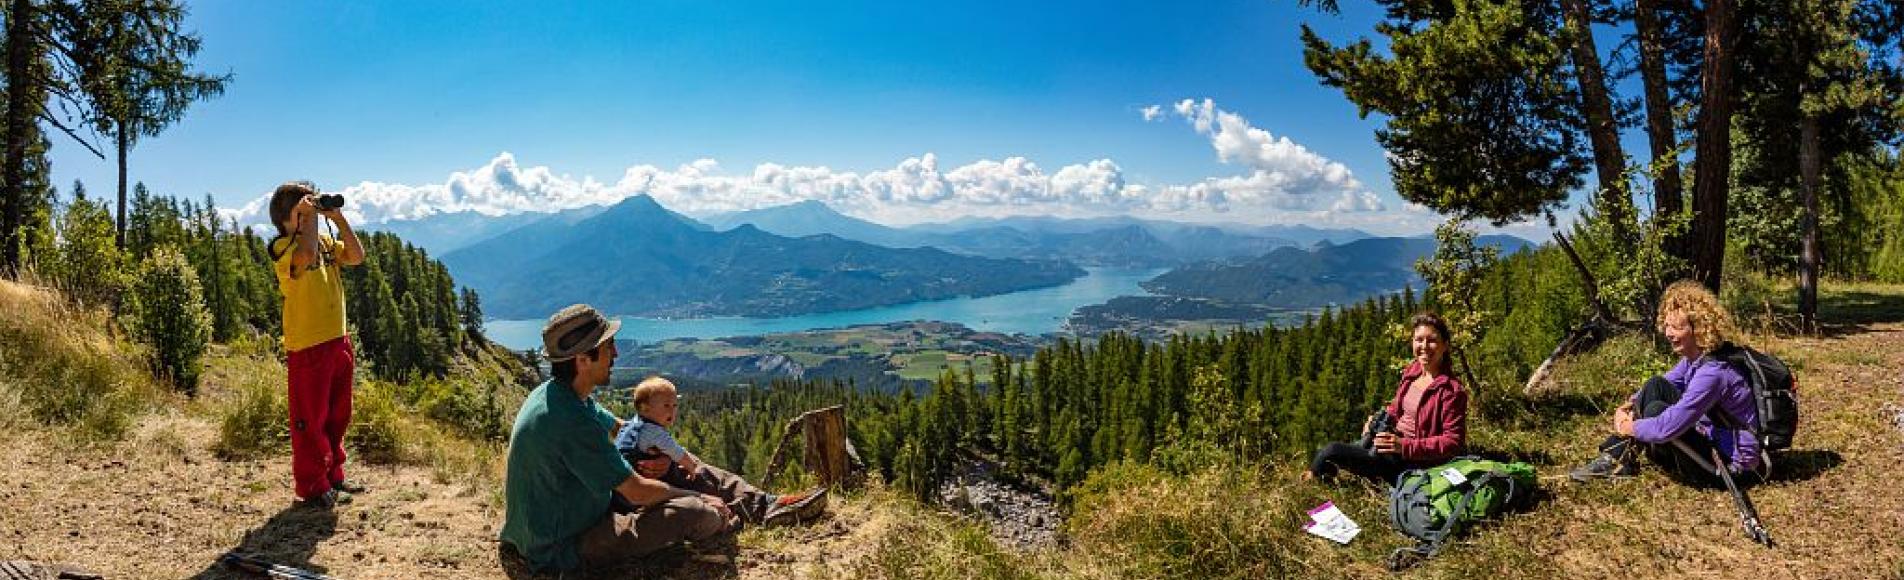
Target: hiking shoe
{"points": [[331, 498], [796, 508], [1607, 466], [348, 486]]}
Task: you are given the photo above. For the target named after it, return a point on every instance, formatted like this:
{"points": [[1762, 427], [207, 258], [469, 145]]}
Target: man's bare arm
{"points": [[646, 492]]}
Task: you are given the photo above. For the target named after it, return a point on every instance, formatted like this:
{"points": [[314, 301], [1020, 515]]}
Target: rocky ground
{"points": [[1026, 519]]}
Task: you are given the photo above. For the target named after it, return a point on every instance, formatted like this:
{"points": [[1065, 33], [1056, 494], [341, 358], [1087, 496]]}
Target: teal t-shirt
{"points": [[561, 475]]}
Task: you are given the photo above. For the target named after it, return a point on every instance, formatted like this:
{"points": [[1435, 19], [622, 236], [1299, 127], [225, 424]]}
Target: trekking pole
{"points": [[280, 571], [1748, 515]]}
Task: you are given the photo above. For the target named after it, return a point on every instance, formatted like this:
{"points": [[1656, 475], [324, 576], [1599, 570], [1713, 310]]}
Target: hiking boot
{"points": [[348, 486], [1607, 466], [796, 508], [331, 498]]}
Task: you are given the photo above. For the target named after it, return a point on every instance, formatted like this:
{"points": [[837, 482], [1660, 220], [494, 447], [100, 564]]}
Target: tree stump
{"points": [[826, 444], [828, 453]]}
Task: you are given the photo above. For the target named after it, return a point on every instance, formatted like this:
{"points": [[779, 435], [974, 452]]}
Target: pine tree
{"points": [[91, 267]]}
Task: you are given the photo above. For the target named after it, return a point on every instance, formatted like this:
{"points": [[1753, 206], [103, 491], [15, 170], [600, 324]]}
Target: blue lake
{"points": [[1027, 312]]}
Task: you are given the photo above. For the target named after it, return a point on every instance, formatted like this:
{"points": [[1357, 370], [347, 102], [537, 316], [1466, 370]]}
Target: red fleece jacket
{"points": [[1441, 429]]}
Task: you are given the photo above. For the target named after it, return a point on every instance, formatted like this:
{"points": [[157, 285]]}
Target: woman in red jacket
{"points": [[1429, 413]]}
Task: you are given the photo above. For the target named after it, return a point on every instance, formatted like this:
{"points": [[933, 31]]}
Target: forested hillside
{"points": [[1325, 275]]}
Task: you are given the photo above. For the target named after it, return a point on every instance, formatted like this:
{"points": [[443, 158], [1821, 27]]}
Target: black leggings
{"points": [[1383, 467], [1654, 398]]}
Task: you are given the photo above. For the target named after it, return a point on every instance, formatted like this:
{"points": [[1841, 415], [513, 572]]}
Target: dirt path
{"points": [[160, 505]]}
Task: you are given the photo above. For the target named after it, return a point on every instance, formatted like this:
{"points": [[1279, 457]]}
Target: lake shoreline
{"points": [[1032, 313]]}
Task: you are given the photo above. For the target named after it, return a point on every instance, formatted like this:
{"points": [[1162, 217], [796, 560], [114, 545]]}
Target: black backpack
{"points": [[1774, 392]]}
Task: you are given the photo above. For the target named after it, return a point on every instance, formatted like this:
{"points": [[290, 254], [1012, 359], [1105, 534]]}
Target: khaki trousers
{"points": [[623, 536]]}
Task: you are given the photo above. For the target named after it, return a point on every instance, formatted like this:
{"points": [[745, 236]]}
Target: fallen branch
{"points": [[1583, 337], [1600, 309]]}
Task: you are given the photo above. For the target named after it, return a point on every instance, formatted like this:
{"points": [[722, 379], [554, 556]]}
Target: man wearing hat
{"points": [[564, 471]]}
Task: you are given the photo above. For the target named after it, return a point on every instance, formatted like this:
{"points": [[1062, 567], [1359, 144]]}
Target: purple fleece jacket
{"points": [[1704, 383]]}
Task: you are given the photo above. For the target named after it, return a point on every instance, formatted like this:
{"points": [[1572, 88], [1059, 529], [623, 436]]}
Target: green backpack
{"points": [[1432, 507]]}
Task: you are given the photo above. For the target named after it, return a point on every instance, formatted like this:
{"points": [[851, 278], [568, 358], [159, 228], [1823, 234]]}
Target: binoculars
{"points": [[1382, 424]]}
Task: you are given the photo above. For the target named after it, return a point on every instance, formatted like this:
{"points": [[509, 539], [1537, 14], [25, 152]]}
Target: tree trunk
{"points": [[1660, 134], [125, 144], [1808, 255], [19, 129], [1713, 166], [1602, 128]]}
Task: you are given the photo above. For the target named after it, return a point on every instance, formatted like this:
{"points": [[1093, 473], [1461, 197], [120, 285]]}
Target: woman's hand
{"points": [[1388, 443], [1623, 421]]}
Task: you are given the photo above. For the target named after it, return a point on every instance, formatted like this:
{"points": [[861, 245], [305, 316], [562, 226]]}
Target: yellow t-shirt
{"points": [[314, 299]]}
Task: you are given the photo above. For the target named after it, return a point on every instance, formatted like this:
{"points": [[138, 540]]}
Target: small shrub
{"points": [[377, 429], [1754, 300], [166, 310], [256, 422], [469, 408], [110, 418]]}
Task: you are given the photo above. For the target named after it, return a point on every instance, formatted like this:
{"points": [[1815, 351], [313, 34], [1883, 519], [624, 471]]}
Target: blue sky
{"points": [[427, 106]]}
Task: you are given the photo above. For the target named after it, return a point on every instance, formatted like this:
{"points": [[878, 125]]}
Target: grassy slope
{"points": [[160, 501], [1834, 509]]}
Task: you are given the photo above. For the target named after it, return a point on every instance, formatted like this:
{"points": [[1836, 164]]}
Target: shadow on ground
{"points": [[1844, 312], [287, 539], [1790, 466], [1804, 464]]}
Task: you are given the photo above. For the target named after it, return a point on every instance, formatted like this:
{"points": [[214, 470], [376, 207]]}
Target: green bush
{"points": [[472, 409], [166, 310], [377, 431]]}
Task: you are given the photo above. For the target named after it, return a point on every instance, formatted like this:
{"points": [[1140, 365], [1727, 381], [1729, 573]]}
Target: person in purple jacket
{"points": [[1684, 403]]}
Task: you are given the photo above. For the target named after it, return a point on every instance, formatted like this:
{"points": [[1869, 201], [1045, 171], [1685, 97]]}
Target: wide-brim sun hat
{"points": [[576, 330]]}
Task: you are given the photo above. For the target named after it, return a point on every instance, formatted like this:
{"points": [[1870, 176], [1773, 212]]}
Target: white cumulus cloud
{"points": [[1283, 181], [1284, 174]]}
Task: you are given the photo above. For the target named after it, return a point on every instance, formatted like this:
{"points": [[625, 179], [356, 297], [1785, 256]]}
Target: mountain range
{"points": [[1325, 275], [1110, 241], [447, 232], [638, 258], [1125, 242]]}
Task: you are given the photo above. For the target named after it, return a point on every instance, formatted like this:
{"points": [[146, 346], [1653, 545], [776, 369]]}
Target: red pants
{"points": [[320, 378]]}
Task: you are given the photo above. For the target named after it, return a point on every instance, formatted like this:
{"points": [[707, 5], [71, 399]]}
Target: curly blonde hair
{"points": [[1711, 325]]}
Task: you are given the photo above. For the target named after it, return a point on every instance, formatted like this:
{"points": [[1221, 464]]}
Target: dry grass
{"points": [[434, 506], [59, 367]]}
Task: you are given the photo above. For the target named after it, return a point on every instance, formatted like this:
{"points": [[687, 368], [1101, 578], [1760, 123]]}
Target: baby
{"points": [[646, 436]]}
